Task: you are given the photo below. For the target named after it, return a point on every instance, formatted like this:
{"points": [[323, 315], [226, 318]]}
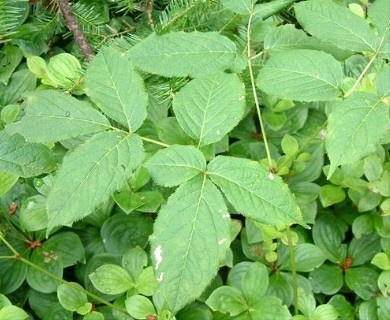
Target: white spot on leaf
{"points": [[218, 132], [222, 241], [271, 176], [226, 215], [158, 256], [160, 277]]}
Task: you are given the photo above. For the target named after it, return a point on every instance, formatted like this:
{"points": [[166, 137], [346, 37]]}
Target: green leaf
{"points": [[265, 10], [9, 113], [207, 108], [384, 283], [227, 300], [363, 249], [174, 165], [303, 75], [363, 281], [269, 308], [70, 297], [139, 307], [325, 312], [116, 88], [307, 258], [21, 81], [289, 145], [146, 282], [378, 13], [7, 180], [198, 219], [287, 37], [68, 246], [343, 307], [180, 54], [254, 283], [90, 174], [367, 119], [94, 315], [239, 6], [24, 159], [327, 279], [13, 313], [32, 214], [331, 194], [52, 116], [134, 261], [111, 279], [253, 191], [48, 261], [336, 24], [121, 232], [382, 81], [381, 260], [11, 56]]}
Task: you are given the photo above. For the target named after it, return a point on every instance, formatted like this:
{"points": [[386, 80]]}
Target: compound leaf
{"points": [[197, 218], [116, 88], [253, 191], [336, 24], [90, 174], [209, 107], [174, 165], [180, 54], [367, 119], [24, 159], [303, 75], [53, 116]]}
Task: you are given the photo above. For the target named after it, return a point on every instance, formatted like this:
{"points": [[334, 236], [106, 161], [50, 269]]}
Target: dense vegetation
{"points": [[194, 159]]}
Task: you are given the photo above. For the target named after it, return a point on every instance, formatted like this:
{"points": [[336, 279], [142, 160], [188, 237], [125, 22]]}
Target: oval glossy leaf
{"points": [[13, 313], [139, 307], [336, 24], [32, 214], [269, 308], [122, 232], [180, 54], [174, 165], [24, 159], [198, 219], [367, 119], [363, 281], [207, 108], [254, 283], [117, 89], [227, 299], [327, 279], [53, 116], [307, 258], [253, 192], [303, 75], [70, 297], [111, 279], [90, 174], [49, 261]]}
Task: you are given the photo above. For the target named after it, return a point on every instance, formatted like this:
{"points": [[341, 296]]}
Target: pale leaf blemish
{"points": [[242, 98], [158, 256], [323, 134], [160, 277], [226, 215], [218, 132], [222, 241], [271, 176]]}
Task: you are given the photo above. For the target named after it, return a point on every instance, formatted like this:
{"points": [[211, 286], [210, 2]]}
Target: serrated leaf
{"points": [[239, 6], [336, 24], [253, 192], [53, 116], [90, 174], [209, 107], [116, 88], [378, 12], [180, 54], [198, 219], [382, 82], [174, 165], [303, 75], [367, 119], [24, 159]]}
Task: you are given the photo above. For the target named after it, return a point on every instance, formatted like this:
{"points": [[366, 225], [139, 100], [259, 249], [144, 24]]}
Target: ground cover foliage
{"points": [[195, 159]]}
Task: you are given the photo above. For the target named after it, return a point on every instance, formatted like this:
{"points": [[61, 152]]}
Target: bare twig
{"points": [[73, 26]]}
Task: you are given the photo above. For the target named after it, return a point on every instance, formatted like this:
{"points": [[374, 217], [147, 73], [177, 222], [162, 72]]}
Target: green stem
{"points": [[293, 269], [7, 257], [18, 257], [250, 67]]}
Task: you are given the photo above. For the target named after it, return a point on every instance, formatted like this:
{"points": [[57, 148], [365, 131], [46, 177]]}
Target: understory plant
{"points": [[195, 159]]}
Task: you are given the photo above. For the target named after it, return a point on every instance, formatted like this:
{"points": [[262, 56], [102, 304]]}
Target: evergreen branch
{"points": [[73, 26]]}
